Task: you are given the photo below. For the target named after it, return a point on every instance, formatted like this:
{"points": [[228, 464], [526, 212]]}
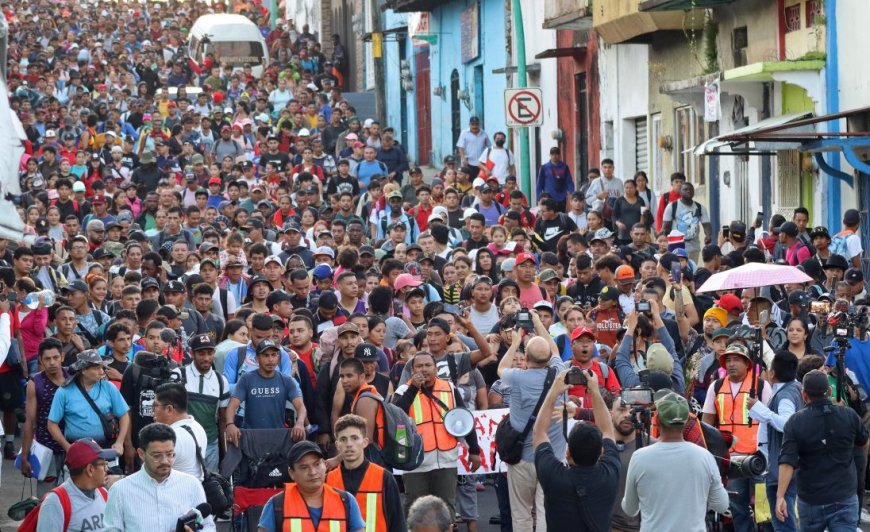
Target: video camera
{"points": [[155, 370], [524, 320], [747, 465], [640, 399], [845, 321]]}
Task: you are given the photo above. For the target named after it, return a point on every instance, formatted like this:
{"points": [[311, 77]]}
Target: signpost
{"points": [[523, 107]]}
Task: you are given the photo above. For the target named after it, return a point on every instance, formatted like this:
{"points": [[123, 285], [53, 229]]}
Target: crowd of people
{"points": [[242, 254]]}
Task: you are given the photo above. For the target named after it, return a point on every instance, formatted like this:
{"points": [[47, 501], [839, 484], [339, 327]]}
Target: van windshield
{"points": [[237, 53]]}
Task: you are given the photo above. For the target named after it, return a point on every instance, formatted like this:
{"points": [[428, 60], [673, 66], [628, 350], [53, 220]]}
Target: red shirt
{"points": [[421, 216], [611, 383]]}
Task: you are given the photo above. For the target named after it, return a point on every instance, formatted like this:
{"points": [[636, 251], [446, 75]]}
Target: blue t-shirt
{"points": [[365, 170], [265, 398], [354, 520], [857, 360], [80, 420]]}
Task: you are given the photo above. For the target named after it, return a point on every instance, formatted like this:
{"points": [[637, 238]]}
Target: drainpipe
{"points": [[525, 167], [832, 97], [273, 14]]}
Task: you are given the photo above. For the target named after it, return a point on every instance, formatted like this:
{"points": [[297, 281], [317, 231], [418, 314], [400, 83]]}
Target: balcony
{"points": [[619, 21], [567, 15]]}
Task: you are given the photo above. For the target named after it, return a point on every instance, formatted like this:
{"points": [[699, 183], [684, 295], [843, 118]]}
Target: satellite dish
{"points": [[459, 422]]}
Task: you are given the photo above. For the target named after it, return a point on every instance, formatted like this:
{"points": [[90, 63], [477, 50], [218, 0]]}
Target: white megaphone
{"points": [[459, 422]]}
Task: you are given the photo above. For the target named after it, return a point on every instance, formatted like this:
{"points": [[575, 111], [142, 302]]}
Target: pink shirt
{"points": [[797, 253], [530, 296]]}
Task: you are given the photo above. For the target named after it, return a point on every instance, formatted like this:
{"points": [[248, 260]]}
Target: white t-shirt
{"points": [[484, 321], [502, 160], [185, 448]]}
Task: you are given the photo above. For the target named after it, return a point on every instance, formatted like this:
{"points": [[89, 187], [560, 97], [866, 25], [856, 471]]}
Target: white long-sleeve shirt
{"points": [[139, 503], [767, 417]]}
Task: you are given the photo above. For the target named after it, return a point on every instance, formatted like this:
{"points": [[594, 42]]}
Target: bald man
{"points": [[527, 385]]}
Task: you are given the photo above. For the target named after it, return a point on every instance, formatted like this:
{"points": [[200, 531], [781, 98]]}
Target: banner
{"points": [[485, 423]]}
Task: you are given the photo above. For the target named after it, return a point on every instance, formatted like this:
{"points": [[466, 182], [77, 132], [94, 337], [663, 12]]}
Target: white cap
{"points": [[313, 87], [368, 122], [508, 264], [435, 216], [440, 210], [303, 133], [228, 110], [50, 133], [467, 212], [78, 186], [262, 117], [478, 182]]}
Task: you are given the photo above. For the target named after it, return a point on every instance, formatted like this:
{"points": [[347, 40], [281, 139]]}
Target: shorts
{"points": [[10, 391], [466, 498]]}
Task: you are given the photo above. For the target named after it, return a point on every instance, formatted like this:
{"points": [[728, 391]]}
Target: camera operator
{"points": [[637, 352], [820, 439], [689, 472], [583, 492], [726, 407], [773, 417]]}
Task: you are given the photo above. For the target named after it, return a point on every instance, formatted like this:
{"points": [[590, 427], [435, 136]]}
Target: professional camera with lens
{"points": [[644, 307], [576, 376], [640, 396], [524, 320], [747, 465], [154, 370], [844, 322]]}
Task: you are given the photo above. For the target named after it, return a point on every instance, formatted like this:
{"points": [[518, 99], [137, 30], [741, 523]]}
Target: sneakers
{"points": [[865, 516], [9, 451]]}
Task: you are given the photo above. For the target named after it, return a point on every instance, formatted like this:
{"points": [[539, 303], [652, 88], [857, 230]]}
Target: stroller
{"points": [[258, 468]]}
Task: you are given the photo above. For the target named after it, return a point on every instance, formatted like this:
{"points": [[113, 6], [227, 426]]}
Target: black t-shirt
{"points": [[583, 496], [281, 159], [343, 184], [549, 231]]}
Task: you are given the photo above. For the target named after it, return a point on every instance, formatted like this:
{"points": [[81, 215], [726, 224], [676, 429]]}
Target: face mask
{"points": [[499, 143]]}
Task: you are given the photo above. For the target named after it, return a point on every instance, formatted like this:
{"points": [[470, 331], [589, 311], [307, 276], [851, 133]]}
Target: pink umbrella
{"points": [[754, 275]]}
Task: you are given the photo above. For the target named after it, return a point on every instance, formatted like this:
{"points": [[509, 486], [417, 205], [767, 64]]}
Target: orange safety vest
{"points": [[297, 517], [370, 495], [379, 417], [732, 414], [429, 417]]}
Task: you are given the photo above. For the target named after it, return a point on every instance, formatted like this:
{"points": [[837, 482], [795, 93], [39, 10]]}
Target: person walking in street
{"points": [[820, 441], [688, 217], [555, 179], [471, 145]]}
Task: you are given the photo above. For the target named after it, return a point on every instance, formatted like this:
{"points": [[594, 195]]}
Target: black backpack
{"points": [[403, 445]]}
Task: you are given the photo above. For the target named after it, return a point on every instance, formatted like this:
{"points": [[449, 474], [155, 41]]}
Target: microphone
{"points": [[168, 336], [194, 517]]}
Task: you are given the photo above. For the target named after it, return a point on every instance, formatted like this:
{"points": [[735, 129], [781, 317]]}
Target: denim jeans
{"points": [[743, 489], [504, 502], [841, 516], [790, 497], [212, 457], [33, 366]]}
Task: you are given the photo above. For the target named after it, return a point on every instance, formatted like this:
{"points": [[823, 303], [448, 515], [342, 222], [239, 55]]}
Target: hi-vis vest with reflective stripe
{"points": [[297, 518], [379, 417], [370, 495], [429, 417], [732, 413]]}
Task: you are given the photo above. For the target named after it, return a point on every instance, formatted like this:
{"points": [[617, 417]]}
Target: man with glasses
{"points": [[87, 464], [156, 496]]}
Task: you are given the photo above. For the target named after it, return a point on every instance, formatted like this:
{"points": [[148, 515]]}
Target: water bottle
{"points": [[32, 299], [402, 440]]}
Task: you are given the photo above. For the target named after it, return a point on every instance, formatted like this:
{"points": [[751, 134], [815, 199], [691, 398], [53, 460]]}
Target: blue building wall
{"points": [[445, 56], [392, 77]]}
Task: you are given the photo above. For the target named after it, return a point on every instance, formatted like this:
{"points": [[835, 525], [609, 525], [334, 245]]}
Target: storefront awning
{"points": [[742, 141], [397, 32], [680, 5], [571, 51]]}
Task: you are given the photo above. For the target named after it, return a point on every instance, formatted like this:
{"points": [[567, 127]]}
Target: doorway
{"points": [[455, 122], [424, 105]]}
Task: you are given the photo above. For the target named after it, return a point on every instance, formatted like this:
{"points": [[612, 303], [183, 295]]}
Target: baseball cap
{"points": [[347, 327], [737, 230], [582, 331], [86, 451], [672, 409], [302, 448], [542, 304], [508, 264], [404, 280], [322, 271], [815, 383], [174, 286], [78, 186], [659, 359], [273, 258], [624, 274], [789, 228], [366, 353], [267, 344], [394, 194], [722, 331], [200, 342], [609, 293], [368, 250], [601, 234], [836, 261], [76, 286], [549, 275], [523, 257], [325, 250], [467, 212], [853, 276], [148, 282], [730, 303]]}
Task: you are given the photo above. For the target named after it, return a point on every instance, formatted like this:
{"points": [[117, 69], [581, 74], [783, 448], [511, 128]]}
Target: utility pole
{"points": [[378, 60], [525, 167], [273, 14]]}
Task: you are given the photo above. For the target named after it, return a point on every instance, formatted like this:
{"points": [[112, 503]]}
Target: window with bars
{"points": [[792, 18], [814, 12]]}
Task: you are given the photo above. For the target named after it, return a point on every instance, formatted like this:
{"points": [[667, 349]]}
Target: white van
{"points": [[233, 39]]}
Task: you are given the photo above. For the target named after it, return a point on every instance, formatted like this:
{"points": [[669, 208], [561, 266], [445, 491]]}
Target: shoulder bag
{"points": [[508, 441]]}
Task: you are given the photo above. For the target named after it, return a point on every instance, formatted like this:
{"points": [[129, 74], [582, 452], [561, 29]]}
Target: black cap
{"points": [[737, 230], [302, 448], [366, 250], [366, 353], [265, 345], [259, 279], [798, 297], [816, 384], [609, 293], [789, 228], [41, 225], [853, 276], [836, 261], [76, 286], [820, 231], [174, 286], [200, 342], [100, 253], [149, 282]]}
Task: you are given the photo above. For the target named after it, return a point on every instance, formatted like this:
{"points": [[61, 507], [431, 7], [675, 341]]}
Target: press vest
{"points": [[297, 517], [429, 417], [369, 495], [379, 417], [732, 414]]}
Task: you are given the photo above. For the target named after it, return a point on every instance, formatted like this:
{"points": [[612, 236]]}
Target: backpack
{"points": [[31, 521], [692, 230], [403, 445], [839, 244]]}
